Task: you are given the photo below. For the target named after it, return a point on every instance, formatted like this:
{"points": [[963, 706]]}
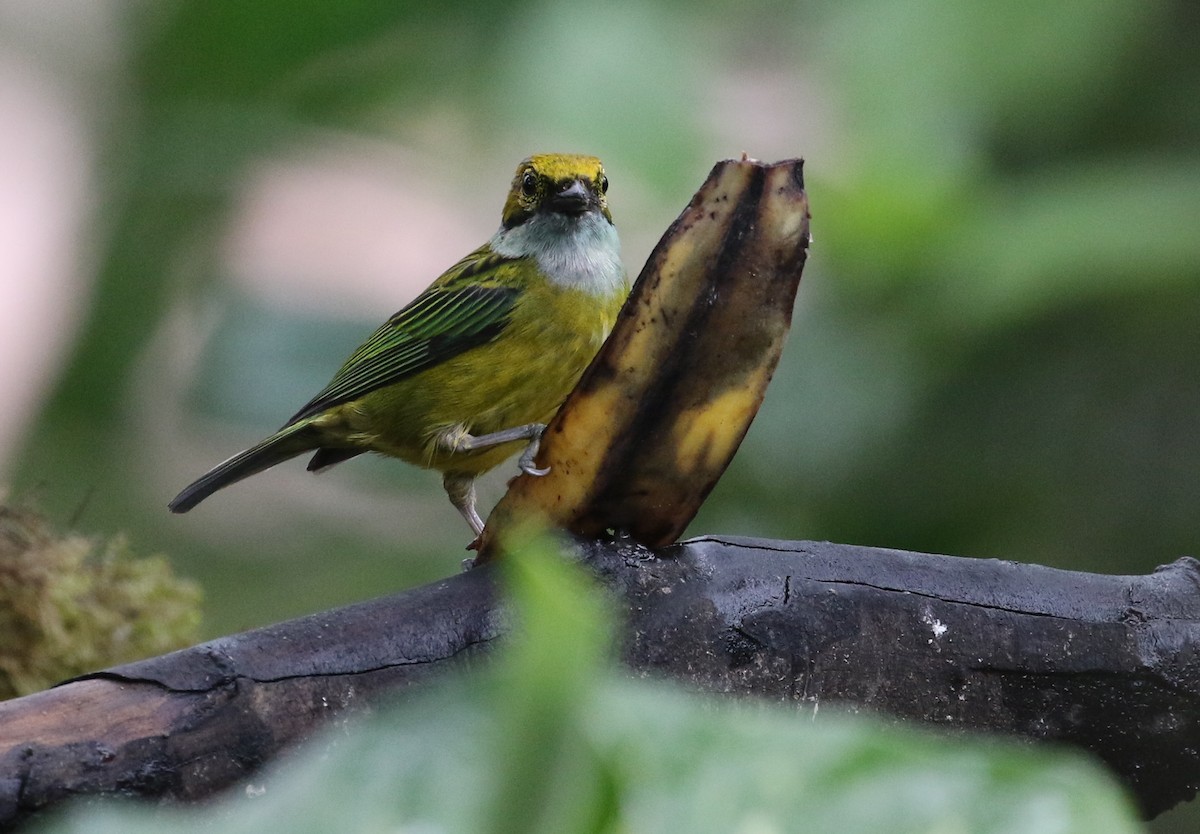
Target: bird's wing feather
{"points": [[466, 307]]}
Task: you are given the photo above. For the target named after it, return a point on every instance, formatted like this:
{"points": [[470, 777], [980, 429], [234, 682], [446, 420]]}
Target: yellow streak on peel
{"points": [[789, 224], [574, 465], [701, 439]]}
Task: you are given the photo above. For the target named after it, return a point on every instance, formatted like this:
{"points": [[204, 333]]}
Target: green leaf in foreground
{"points": [[554, 740]]}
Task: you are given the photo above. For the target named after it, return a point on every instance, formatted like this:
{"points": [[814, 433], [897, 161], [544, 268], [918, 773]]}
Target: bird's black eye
{"points": [[529, 184], [603, 184]]}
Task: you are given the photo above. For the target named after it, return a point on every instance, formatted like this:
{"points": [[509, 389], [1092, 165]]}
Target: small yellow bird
{"points": [[479, 362]]}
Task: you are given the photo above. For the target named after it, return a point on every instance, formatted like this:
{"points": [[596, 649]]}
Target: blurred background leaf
{"points": [[206, 205]]}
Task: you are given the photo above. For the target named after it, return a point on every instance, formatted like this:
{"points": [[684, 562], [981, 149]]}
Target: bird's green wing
{"points": [[467, 307]]}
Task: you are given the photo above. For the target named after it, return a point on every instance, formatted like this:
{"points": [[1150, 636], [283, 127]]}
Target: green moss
{"points": [[71, 604]]}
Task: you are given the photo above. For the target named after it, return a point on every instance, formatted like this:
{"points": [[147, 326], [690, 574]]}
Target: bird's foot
{"points": [[525, 462]]}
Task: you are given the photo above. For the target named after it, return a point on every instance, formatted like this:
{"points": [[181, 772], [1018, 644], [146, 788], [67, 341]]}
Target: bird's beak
{"points": [[575, 198]]}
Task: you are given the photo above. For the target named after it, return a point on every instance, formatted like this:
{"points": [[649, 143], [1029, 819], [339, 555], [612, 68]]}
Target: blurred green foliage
{"points": [[551, 740], [995, 345]]}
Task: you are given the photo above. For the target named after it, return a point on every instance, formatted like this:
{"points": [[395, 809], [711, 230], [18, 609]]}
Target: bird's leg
{"points": [[463, 442], [461, 489]]}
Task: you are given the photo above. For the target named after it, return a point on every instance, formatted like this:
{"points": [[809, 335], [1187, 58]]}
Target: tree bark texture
{"points": [[1107, 663]]}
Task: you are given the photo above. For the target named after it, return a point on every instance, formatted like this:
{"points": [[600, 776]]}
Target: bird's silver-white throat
{"points": [[582, 253]]}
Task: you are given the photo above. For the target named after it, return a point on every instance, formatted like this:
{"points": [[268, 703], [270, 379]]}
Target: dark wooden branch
{"points": [[1107, 663]]}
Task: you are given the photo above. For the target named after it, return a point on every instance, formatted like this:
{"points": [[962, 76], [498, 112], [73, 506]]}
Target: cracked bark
{"points": [[1106, 663]]}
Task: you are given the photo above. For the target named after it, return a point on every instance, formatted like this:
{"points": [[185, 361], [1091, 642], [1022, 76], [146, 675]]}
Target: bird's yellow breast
{"points": [[520, 377]]}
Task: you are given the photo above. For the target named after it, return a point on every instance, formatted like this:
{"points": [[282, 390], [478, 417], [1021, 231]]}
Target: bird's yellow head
{"points": [[556, 218], [564, 184]]}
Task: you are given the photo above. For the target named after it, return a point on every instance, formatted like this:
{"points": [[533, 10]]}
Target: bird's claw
{"points": [[525, 462]]}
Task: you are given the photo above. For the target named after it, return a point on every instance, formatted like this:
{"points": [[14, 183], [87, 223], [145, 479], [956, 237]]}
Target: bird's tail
{"points": [[286, 443]]}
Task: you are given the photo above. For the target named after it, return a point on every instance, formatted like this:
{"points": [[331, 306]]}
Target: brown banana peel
{"points": [[661, 410]]}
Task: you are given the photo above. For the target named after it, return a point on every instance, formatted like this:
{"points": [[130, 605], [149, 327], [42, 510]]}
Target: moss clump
{"points": [[71, 604]]}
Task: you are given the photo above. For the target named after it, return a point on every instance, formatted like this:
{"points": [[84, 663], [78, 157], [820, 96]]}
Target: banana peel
{"points": [[661, 410]]}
